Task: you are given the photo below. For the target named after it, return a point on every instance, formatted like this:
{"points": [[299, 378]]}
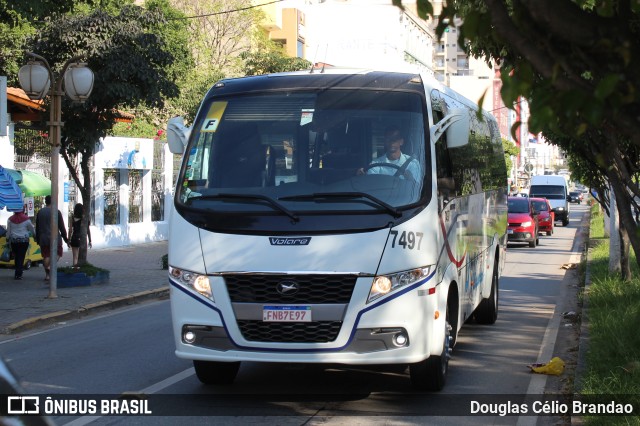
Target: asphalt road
{"points": [[131, 351]]}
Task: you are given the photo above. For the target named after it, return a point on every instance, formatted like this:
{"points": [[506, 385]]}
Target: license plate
{"points": [[509, 231], [286, 313]]}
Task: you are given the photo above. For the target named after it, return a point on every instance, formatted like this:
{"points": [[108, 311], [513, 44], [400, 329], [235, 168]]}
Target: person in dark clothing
{"points": [[43, 234], [19, 230], [75, 229]]}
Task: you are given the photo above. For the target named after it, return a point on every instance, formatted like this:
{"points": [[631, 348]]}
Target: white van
{"points": [[554, 188], [350, 217]]}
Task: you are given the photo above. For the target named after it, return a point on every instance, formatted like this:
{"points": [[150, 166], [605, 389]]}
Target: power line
{"points": [[226, 11]]}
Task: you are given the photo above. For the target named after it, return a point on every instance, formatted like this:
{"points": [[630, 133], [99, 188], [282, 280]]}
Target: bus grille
{"points": [[301, 332], [312, 289]]}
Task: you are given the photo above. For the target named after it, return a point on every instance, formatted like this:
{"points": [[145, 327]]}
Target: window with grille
{"points": [[157, 182], [111, 196], [135, 196]]}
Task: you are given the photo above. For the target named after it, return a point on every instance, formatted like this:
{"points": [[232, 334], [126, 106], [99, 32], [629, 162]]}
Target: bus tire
{"points": [[27, 265], [431, 374], [216, 373], [487, 310]]}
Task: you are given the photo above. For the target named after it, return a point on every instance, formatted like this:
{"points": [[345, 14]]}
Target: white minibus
{"points": [[341, 217], [554, 188]]}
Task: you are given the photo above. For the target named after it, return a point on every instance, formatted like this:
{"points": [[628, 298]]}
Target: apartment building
{"points": [[351, 33]]}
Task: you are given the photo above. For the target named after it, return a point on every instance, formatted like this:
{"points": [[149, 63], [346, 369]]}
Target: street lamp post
{"points": [[36, 78]]}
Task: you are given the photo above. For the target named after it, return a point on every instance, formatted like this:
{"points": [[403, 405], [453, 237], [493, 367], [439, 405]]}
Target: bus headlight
{"points": [[196, 282], [385, 284]]}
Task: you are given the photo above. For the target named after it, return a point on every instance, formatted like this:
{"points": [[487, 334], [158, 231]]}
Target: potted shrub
{"points": [[82, 275]]}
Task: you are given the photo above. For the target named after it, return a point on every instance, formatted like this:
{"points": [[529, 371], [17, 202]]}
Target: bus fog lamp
{"points": [[400, 339], [189, 337]]}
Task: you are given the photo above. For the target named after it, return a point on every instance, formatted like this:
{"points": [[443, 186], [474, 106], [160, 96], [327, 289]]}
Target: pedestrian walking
{"points": [[75, 228], [43, 235], [19, 230]]}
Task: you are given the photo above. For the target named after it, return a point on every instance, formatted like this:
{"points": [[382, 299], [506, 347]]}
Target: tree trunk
{"points": [[84, 188], [624, 212], [614, 235], [625, 266]]}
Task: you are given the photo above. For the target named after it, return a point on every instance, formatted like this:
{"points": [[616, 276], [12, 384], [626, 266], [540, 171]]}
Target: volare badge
{"points": [[299, 241]]}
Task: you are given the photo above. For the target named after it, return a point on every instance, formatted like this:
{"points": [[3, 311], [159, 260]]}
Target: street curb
{"points": [[85, 310]]}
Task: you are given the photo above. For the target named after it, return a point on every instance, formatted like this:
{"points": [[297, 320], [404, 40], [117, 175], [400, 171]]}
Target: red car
{"points": [[546, 215], [523, 221]]}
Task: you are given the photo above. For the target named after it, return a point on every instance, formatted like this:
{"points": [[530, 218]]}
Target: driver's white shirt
{"points": [[412, 167]]}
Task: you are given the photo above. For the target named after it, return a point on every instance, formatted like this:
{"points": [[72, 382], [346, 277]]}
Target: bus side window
{"points": [[444, 173], [444, 169]]}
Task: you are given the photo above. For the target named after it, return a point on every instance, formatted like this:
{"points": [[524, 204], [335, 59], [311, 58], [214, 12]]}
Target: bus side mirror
{"points": [[177, 135], [456, 125]]}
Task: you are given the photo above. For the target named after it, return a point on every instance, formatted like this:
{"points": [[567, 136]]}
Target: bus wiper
{"points": [[270, 201], [389, 208]]}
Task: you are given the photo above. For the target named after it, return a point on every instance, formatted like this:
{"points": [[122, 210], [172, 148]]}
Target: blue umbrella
{"points": [[10, 192]]}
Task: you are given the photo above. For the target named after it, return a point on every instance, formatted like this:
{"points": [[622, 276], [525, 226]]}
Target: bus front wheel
{"points": [[431, 374], [216, 373], [487, 310]]}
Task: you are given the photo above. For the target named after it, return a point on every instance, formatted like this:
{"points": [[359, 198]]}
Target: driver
{"points": [[406, 167]]}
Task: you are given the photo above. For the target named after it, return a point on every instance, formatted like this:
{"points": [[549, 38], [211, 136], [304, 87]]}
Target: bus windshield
{"points": [[290, 151], [550, 192]]}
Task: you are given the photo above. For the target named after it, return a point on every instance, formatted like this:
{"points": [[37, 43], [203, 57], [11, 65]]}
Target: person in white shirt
{"points": [[406, 167]]}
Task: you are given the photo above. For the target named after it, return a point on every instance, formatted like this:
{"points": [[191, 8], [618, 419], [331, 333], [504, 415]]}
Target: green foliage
{"points": [[87, 268], [137, 129], [266, 62], [129, 60], [510, 150], [217, 38], [192, 90], [612, 366], [176, 37], [575, 61]]}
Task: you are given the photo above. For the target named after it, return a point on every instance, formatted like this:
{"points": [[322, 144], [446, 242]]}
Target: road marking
{"points": [[538, 381], [169, 381]]}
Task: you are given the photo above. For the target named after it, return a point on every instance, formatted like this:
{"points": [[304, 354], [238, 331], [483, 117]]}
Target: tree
{"points": [[220, 30], [510, 150], [265, 62], [576, 63], [132, 66], [17, 19]]}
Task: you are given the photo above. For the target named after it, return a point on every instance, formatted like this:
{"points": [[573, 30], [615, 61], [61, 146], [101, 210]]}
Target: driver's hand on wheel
{"points": [[360, 171]]}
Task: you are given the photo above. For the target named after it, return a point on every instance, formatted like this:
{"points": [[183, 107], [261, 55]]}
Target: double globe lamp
{"points": [[37, 80]]}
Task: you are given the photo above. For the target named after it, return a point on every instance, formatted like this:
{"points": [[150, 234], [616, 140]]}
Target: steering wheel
{"points": [[401, 170], [372, 165]]}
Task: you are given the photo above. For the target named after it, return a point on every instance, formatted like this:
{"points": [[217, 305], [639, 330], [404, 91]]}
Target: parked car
{"points": [[546, 215], [575, 197], [523, 221]]}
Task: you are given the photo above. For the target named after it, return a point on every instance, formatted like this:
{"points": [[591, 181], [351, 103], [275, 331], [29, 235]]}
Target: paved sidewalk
{"points": [[136, 275]]}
